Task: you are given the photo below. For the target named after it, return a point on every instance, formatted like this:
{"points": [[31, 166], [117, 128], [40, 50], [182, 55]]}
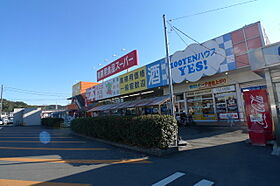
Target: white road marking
{"points": [[204, 183], [169, 179]]}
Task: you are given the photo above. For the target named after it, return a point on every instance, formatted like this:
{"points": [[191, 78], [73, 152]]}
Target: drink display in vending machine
{"points": [[258, 116]]}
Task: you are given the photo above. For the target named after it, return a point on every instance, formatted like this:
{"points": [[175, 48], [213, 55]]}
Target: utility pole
{"points": [[169, 68], [1, 101]]}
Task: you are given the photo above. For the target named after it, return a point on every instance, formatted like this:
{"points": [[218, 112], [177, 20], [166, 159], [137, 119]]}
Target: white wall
{"points": [[27, 116], [32, 116]]}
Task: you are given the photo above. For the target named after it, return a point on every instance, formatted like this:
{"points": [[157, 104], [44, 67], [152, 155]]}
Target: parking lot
{"points": [[214, 156]]}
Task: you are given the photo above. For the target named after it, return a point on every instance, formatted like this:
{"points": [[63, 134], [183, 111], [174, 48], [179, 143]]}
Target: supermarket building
{"points": [[208, 80]]}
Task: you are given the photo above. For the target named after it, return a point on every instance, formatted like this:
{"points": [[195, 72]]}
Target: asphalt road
{"points": [[215, 157]]}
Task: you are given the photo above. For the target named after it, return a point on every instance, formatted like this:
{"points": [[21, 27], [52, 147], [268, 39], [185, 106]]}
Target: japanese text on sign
{"points": [[133, 81], [208, 84], [123, 63]]}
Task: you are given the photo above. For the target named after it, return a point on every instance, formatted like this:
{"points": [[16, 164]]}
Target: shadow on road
{"points": [[22, 145], [227, 162]]}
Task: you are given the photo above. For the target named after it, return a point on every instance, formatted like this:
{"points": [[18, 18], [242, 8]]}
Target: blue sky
{"points": [[46, 46]]}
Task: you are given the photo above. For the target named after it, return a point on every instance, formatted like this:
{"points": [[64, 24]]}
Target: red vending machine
{"points": [[258, 116]]}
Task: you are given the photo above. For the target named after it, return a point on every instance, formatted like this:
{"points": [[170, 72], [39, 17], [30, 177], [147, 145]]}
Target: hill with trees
{"points": [[8, 106]]}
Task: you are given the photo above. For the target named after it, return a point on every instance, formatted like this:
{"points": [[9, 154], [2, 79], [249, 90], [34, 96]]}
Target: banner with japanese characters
{"points": [[107, 89], [133, 81], [157, 74], [90, 94], [123, 63], [111, 88]]}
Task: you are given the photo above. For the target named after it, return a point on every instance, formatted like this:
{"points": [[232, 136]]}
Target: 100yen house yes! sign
{"points": [[197, 61]]}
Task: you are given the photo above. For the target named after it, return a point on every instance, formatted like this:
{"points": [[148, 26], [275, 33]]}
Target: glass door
{"points": [[226, 105]]}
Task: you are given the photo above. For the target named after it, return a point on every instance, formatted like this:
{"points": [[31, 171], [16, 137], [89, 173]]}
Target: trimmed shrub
{"points": [[52, 122], [150, 131]]}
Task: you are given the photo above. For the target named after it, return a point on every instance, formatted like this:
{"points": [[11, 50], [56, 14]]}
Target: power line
{"points": [[213, 10], [32, 91], [22, 91], [37, 94], [175, 28], [177, 33], [28, 99]]}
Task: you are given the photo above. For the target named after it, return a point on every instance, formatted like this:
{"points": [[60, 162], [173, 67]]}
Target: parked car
{"points": [[10, 120], [1, 122]]}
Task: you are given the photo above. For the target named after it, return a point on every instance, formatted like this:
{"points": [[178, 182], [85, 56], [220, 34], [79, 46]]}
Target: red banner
{"points": [[123, 63], [258, 116]]}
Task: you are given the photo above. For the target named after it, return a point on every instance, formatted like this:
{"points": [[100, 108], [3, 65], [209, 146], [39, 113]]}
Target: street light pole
{"points": [[169, 68]]}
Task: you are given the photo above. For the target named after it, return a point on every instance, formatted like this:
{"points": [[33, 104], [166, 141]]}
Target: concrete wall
{"points": [[27, 116], [32, 116], [18, 116]]}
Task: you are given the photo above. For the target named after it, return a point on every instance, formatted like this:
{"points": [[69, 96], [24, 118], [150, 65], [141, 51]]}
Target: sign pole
{"points": [[169, 69]]}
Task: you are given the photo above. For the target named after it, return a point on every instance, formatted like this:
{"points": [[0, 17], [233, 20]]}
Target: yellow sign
{"points": [[133, 81]]}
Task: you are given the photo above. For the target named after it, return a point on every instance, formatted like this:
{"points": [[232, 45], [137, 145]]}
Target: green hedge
{"points": [[151, 131], [52, 122]]}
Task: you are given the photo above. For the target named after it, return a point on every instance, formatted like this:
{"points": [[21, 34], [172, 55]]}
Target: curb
{"points": [[153, 151]]}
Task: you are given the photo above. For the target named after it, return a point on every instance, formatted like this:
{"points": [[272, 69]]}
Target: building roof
{"points": [[131, 104]]}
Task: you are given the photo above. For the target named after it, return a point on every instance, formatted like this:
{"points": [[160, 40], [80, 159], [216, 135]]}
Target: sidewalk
{"points": [[202, 136]]}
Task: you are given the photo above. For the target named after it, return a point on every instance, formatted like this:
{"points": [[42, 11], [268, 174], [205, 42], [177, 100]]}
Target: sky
{"points": [[46, 46]]}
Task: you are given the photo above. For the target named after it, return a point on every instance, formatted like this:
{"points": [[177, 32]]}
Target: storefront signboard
{"points": [[224, 89], [133, 81], [90, 94], [123, 63], [200, 92], [197, 60], [99, 91], [156, 74], [258, 116], [207, 84], [228, 116], [107, 89]]}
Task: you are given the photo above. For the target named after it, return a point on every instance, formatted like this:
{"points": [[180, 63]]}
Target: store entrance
{"points": [[202, 107], [213, 104]]}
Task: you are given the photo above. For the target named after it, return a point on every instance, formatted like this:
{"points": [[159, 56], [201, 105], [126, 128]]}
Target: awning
{"points": [[118, 105], [124, 105], [158, 100], [131, 104], [107, 107], [134, 103], [145, 102]]}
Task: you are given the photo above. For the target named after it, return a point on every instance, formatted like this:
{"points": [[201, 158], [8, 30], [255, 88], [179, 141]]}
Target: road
{"points": [[218, 157]]}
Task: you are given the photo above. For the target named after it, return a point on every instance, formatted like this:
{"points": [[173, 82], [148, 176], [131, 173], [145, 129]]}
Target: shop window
{"points": [[202, 107], [126, 79], [180, 97], [226, 105]]}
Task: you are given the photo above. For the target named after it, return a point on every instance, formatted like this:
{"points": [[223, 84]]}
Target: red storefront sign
{"points": [[123, 63], [258, 116]]}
